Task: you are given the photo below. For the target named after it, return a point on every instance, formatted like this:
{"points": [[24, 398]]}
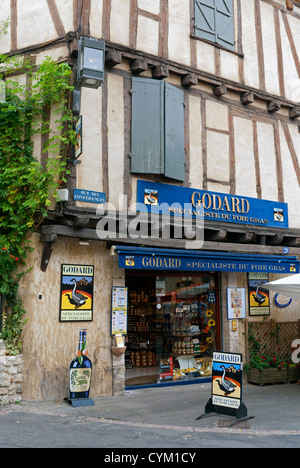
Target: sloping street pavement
{"points": [[153, 419]]}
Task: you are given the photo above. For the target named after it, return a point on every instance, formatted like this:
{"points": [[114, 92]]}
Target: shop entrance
{"points": [[173, 326]]}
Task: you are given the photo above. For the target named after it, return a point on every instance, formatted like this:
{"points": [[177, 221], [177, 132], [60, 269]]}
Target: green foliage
{"points": [[259, 356], [25, 186]]}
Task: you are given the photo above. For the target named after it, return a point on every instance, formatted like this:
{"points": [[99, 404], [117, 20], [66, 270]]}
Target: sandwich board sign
{"points": [[227, 383]]}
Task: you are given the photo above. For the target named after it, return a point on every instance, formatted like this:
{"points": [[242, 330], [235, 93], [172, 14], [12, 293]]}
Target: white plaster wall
{"points": [[216, 115], [179, 31], [249, 44], [89, 172], [269, 48], [115, 124], [291, 78], [195, 139], [205, 57], [218, 156], [35, 24], [290, 182], [5, 15], [267, 161], [217, 143], [215, 187], [295, 27], [56, 54], [153, 6], [229, 66], [147, 35], [65, 9], [244, 157], [96, 19], [120, 21]]}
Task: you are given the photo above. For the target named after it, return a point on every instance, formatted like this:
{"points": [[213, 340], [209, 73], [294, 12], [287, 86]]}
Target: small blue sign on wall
{"points": [[89, 196]]}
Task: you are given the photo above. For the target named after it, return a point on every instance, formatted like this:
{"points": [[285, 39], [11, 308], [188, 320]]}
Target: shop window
{"points": [[214, 21], [157, 140], [173, 328]]}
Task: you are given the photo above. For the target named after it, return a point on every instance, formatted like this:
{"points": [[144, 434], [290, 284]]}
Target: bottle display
{"points": [[80, 370]]}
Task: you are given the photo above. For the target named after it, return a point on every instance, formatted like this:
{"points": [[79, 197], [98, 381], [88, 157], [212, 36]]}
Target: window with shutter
{"points": [[174, 133], [205, 19], [157, 129], [214, 21], [147, 139]]}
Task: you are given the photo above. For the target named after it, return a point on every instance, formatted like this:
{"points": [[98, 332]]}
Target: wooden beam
{"points": [[58, 24], [294, 112], [49, 241], [275, 240], [91, 234], [160, 72], [138, 66], [113, 57], [80, 222], [247, 98], [273, 106], [188, 80], [215, 235], [220, 90]]}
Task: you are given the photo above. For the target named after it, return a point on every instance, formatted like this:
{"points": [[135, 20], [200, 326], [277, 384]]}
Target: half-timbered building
{"points": [[196, 122]]}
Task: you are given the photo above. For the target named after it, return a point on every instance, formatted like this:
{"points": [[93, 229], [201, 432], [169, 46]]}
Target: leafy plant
{"points": [[260, 357], [26, 187]]}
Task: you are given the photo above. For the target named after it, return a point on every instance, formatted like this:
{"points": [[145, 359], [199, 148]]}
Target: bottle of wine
{"points": [[80, 371]]}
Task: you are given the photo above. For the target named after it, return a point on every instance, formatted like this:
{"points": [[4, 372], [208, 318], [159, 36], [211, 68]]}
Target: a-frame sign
{"points": [[227, 384]]}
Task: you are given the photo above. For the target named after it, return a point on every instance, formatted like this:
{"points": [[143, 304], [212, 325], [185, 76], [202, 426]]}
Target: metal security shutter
{"points": [[174, 133], [224, 23], [147, 139], [205, 26]]}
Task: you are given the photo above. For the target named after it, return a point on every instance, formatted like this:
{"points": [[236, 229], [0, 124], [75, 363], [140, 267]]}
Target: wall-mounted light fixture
{"points": [[91, 59]]}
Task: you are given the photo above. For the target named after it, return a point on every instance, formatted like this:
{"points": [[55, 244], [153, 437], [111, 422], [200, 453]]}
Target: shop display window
{"points": [[173, 328]]}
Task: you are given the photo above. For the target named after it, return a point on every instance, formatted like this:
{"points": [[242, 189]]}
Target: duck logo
{"points": [[76, 293], [227, 380], [129, 261]]}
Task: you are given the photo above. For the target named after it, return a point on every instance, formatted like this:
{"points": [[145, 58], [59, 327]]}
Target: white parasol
{"points": [[288, 286]]}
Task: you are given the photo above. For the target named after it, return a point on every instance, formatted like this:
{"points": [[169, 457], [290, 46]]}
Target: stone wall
{"points": [[11, 377], [118, 362]]}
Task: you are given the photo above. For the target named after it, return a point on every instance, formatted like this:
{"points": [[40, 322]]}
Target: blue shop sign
{"points": [[154, 197], [88, 196], [143, 258]]}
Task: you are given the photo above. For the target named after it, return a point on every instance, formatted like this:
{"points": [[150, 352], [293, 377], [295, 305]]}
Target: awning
{"points": [[288, 286], [147, 258]]}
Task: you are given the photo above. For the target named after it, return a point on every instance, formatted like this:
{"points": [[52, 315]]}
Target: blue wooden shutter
{"points": [[205, 26], [214, 21], [147, 139], [174, 133], [224, 23]]}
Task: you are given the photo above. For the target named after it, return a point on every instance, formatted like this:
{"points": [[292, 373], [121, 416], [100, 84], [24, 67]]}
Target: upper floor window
{"points": [[157, 139], [214, 21]]}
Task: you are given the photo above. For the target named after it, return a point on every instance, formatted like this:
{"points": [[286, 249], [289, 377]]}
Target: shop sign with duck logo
{"points": [[226, 390], [259, 301], [227, 380], [76, 300]]}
